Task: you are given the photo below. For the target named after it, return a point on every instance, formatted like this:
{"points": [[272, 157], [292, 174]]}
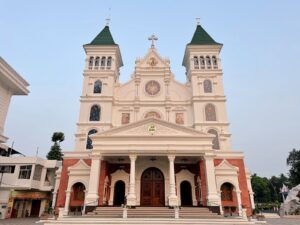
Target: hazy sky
{"points": [[43, 42]]}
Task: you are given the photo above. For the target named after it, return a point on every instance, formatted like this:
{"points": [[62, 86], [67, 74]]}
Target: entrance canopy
{"points": [[152, 137]]}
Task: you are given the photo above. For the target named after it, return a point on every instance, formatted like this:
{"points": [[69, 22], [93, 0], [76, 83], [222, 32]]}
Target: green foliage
{"points": [[58, 137], [275, 186], [55, 152], [267, 191], [293, 161], [260, 186]]}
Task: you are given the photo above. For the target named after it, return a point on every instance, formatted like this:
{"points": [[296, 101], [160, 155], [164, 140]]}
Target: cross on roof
{"points": [[107, 21], [152, 38], [198, 20]]}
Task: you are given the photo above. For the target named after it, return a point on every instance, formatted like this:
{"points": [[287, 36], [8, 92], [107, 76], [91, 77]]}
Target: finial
{"points": [[198, 21], [152, 38], [108, 18], [107, 21]]}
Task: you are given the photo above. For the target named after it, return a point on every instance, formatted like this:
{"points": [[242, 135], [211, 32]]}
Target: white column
{"points": [[92, 195], [67, 202], [131, 198], [251, 193], [43, 177], [173, 199], [221, 207], [53, 200], [84, 205], [213, 198], [238, 195]]}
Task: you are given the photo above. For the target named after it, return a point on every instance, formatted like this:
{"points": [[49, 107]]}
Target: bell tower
{"points": [[204, 73], [100, 76]]}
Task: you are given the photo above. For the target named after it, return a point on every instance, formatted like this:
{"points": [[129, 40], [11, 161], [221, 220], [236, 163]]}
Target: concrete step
{"points": [[79, 220], [153, 212]]}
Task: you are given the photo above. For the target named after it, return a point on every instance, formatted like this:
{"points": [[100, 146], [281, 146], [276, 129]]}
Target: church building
{"points": [[153, 141]]}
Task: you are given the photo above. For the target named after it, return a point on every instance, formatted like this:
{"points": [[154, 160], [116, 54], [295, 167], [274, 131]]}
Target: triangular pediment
{"points": [[225, 165], [153, 127], [152, 60], [79, 166]]}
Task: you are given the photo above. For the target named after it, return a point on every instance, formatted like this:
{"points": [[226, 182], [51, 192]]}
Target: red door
{"points": [[152, 190]]}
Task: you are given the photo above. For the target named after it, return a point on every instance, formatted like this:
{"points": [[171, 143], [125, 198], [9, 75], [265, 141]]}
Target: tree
{"points": [[55, 151], [293, 161], [58, 137], [260, 186], [275, 186]]}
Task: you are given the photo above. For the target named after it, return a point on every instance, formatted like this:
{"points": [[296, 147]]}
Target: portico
{"points": [[137, 148]]}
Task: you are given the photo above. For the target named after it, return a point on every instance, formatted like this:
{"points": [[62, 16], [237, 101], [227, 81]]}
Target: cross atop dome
{"points": [[107, 21], [152, 38]]}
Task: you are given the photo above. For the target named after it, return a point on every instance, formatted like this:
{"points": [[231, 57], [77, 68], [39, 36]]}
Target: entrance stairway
{"points": [[149, 216], [150, 212], [106, 212], [154, 212], [197, 212]]}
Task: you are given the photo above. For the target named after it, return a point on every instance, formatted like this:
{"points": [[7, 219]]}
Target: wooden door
{"points": [[152, 188]]}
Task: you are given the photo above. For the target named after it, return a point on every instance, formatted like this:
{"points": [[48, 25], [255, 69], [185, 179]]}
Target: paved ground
{"points": [[23, 221], [30, 221], [284, 221]]}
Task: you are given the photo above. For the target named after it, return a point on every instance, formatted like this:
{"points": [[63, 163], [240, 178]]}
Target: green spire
{"points": [[104, 38], [201, 37]]}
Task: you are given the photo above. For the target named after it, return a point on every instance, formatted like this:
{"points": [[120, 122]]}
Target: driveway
{"points": [[21, 221]]}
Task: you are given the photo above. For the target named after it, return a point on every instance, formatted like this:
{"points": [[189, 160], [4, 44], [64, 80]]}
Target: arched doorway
{"points": [[77, 197], [119, 193], [186, 193], [152, 188], [229, 199]]}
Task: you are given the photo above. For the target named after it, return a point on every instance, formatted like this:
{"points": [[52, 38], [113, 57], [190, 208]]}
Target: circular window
{"points": [[152, 87]]}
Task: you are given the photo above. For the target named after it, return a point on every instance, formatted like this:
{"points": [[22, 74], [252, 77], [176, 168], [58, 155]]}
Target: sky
{"points": [[42, 41]]}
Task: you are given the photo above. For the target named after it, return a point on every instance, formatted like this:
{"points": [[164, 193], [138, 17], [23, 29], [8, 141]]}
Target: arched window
{"points": [[226, 192], [196, 62], [91, 62], [207, 86], [210, 112], [208, 62], [152, 114], [97, 63], [103, 62], [202, 62], [89, 142], [108, 63], [97, 87], [215, 141], [95, 113], [78, 191], [215, 62]]}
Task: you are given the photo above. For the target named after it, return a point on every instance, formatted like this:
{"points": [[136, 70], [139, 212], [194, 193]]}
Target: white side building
{"points": [[25, 185], [11, 83]]}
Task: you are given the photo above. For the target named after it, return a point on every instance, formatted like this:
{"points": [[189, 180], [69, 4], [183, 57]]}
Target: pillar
{"points": [[252, 199], [92, 195], [54, 200], [221, 207], [239, 202], [173, 199], [67, 202], [212, 198], [131, 198]]}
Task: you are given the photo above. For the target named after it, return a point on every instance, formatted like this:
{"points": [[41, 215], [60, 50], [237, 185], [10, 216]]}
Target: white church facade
{"points": [[153, 141]]}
